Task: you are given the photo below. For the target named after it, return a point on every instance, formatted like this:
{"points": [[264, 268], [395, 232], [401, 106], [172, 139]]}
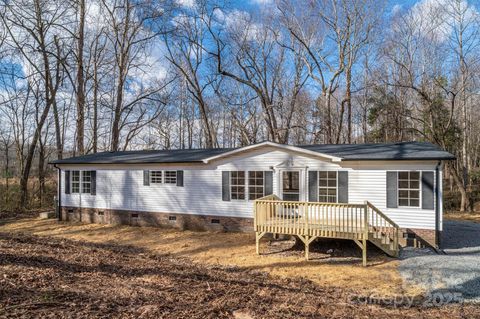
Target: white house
{"points": [[217, 188]]}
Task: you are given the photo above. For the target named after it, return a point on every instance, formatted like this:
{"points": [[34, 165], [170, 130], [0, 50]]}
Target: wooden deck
{"points": [[311, 220]]}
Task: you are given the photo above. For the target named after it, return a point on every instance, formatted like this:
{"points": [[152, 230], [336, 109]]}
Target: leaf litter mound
{"points": [[52, 277]]}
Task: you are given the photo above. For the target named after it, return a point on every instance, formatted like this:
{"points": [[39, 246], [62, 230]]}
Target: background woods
{"points": [[79, 77]]}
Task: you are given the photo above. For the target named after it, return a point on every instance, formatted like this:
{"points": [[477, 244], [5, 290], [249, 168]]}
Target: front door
{"points": [[291, 185]]}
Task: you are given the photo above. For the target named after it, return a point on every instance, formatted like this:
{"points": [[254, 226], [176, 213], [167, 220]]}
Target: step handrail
{"points": [[387, 225], [379, 212]]}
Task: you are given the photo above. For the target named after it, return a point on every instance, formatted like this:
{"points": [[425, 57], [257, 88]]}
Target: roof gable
{"points": [[274, 145]]}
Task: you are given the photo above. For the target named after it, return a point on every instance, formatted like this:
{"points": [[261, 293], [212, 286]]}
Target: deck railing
{"points": [[316, 219]]}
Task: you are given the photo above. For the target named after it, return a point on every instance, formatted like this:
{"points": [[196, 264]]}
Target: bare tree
{"points": [[30, 29], [186, 53], [129, 39], [462, 27], [249, 53]]}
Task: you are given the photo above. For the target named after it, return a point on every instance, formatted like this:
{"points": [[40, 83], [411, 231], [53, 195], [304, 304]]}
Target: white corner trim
{"points": [[276, 145]]}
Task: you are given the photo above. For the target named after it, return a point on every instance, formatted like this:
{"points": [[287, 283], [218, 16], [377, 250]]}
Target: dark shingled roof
{"points": [[388, 151], [143, 157]]}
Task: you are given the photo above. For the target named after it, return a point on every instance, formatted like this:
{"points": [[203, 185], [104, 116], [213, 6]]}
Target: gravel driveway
{"points": [[453, 276]]}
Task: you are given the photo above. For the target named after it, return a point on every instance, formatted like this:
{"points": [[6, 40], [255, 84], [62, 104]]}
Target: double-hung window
{"points": [[409, 189], [75, 179], [156, 177], [237, 185], [170, 177], [255, 185], [82, 182], [327, 186], [86, 181]]}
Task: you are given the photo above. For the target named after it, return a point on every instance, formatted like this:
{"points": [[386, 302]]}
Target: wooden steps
{"points": [[383, 242]]}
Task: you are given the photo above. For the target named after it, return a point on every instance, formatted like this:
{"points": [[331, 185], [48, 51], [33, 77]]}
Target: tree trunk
{"points": [[41, 172], [95, 109], [30, 154], [117, 115], [7, 177], [327, 97], [58, 130], [465, 205], [80, 81], [348, 102]]}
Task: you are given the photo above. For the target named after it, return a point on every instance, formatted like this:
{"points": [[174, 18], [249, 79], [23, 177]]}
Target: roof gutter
{"points": [[399, 159], [438, 182], [58, 208], [121, 163]]}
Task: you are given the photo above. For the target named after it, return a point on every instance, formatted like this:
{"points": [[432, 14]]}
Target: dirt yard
{"points": [[337, 268], [49, 268], [472, 217]]}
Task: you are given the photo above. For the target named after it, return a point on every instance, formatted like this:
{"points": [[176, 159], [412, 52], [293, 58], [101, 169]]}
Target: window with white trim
{"points": [[86, 181], [409, 189], [237, 185], [327, 186], [255, 185], [75, 182], [170, 177], [155, 177]]}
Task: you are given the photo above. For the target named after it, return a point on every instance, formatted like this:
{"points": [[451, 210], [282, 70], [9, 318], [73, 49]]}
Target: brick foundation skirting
{"points": [[137, 218], [414, 237]]}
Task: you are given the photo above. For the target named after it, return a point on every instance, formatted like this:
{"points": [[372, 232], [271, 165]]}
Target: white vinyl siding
{"points": [[121, 186]]}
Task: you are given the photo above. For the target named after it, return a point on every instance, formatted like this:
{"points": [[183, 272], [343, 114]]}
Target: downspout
{"points": [[437, 204], [59, 193]]}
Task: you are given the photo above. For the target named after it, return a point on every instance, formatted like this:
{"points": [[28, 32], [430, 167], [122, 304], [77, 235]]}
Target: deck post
{"points": [[258, 236], [364, 252], [255, 215], [307, 247], [365, 235], [305, 215]]}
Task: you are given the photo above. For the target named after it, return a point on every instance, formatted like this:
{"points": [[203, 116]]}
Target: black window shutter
{"points": [[180, 178], [67, 182], [226, 186], [93, 186], [427, 190], [268, 182], [146, 178], [392, 193], [312, 186], [343, 186]]}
